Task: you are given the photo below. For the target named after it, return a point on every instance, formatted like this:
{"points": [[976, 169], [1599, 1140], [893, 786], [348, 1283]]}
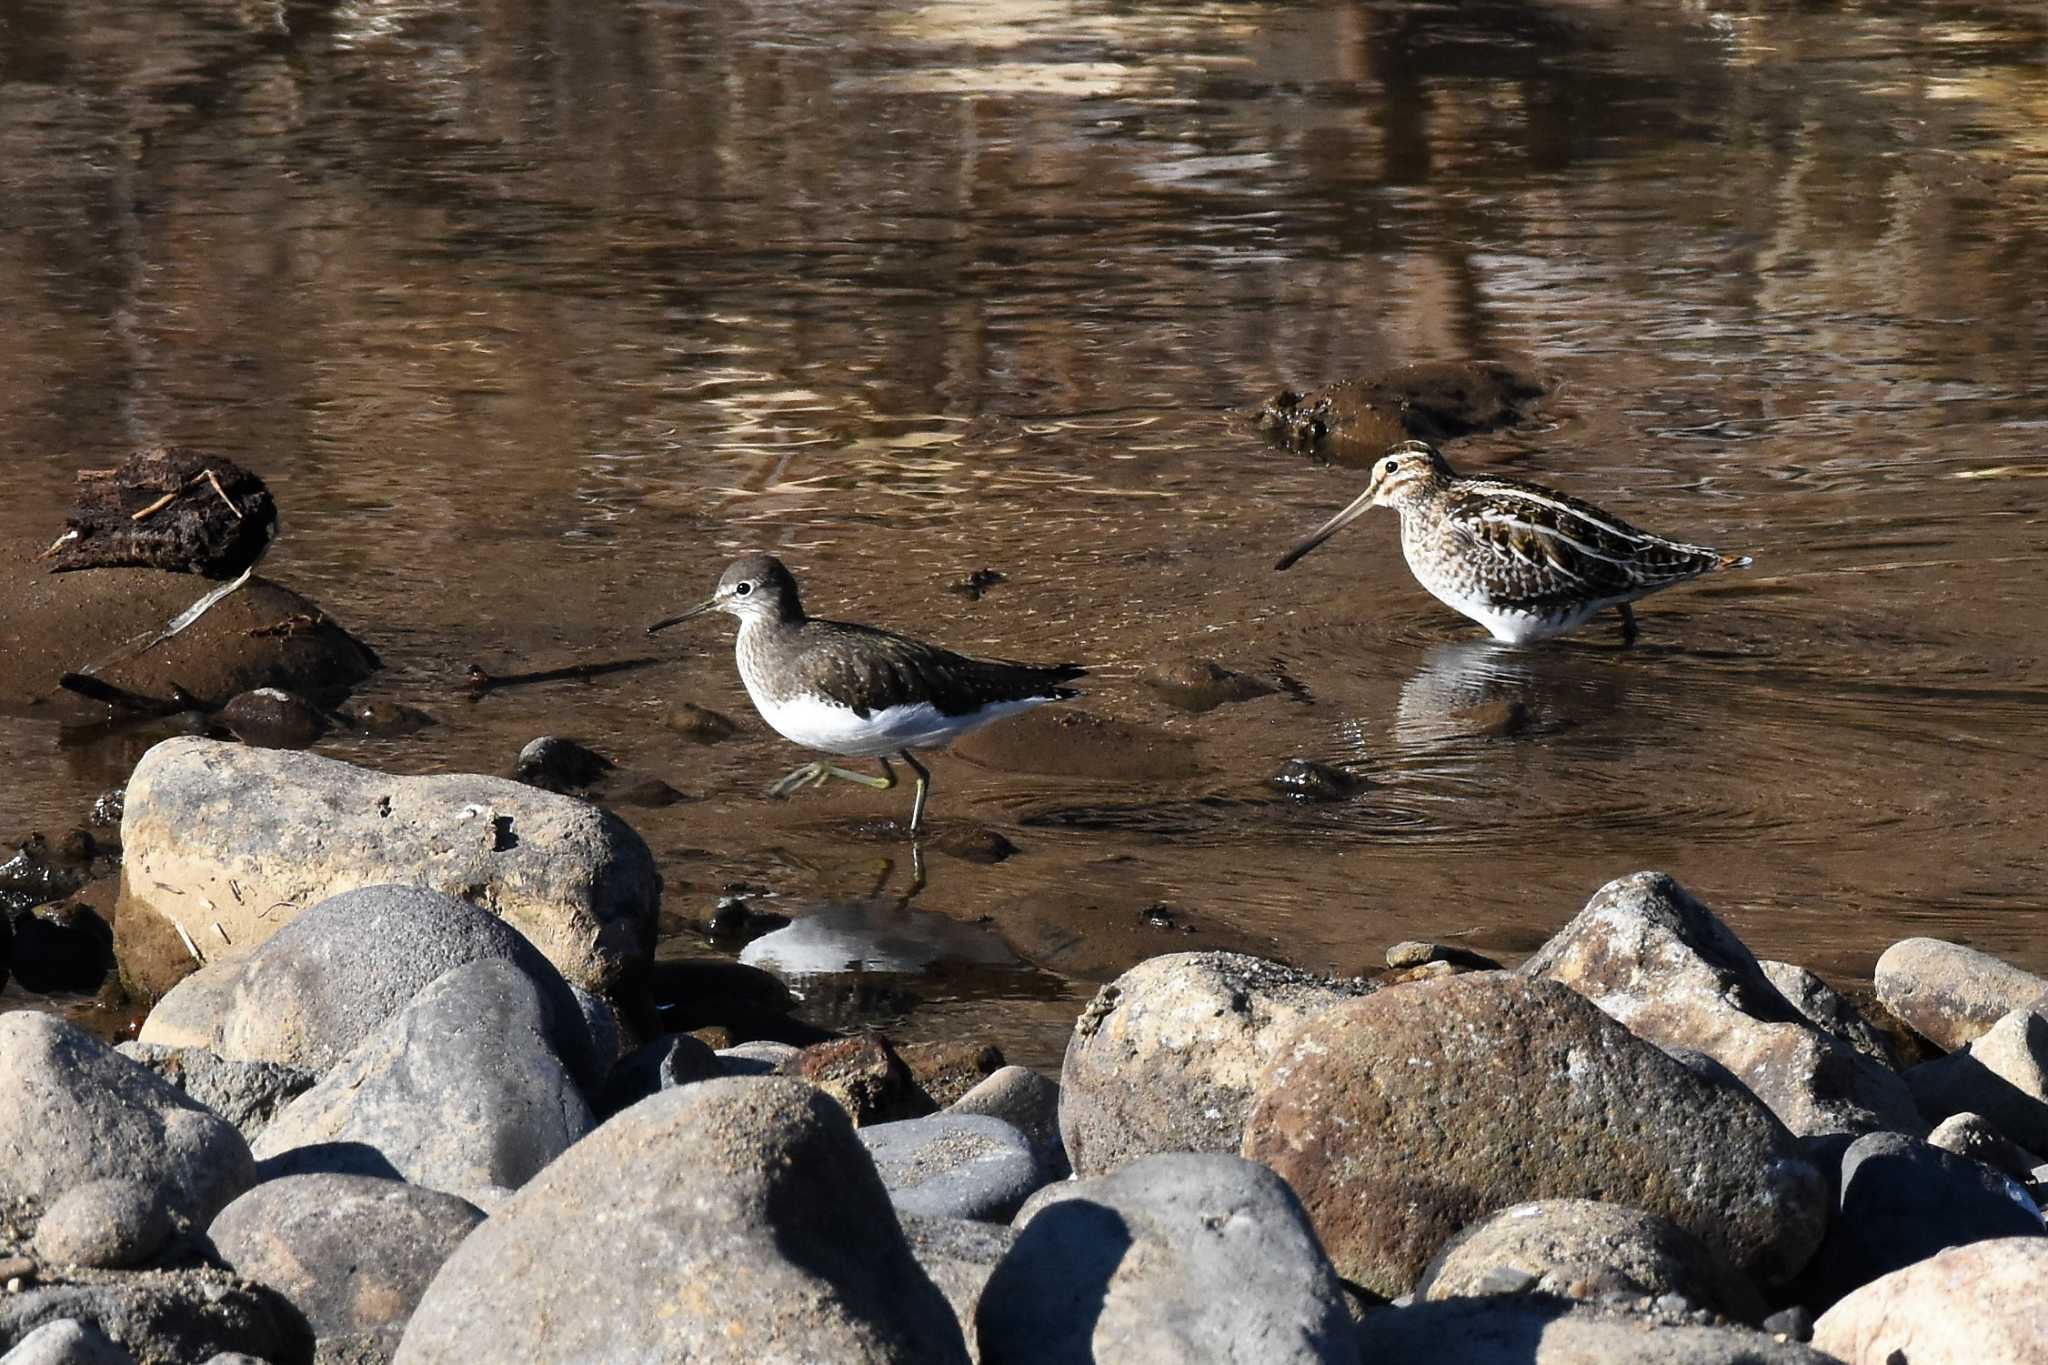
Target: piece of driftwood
{"points": [[169, 508]]}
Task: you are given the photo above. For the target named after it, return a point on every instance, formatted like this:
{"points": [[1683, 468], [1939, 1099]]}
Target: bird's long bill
{"points": [[706, 605], [1359, 506]]}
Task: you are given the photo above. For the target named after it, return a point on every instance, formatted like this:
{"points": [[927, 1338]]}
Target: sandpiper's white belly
{"points": [[828, 727]]}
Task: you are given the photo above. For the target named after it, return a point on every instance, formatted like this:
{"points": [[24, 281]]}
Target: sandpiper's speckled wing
{"points": [[1545, 548], [867, 670]]}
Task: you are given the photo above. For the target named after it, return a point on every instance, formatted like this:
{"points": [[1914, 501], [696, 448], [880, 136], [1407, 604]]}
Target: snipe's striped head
{"points": [[754, 587], [1406, 474]]}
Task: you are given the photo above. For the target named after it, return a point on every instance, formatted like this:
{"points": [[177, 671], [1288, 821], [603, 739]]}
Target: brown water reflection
{"points": [[533, 315]]}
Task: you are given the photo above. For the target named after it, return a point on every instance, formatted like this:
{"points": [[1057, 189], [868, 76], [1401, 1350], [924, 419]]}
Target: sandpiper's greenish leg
{"points": [[1628, 624], [818, 774], [924, 783]]}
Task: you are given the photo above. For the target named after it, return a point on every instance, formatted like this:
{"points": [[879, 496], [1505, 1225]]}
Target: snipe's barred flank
{"points": [[860, 692], [1524, 561]]}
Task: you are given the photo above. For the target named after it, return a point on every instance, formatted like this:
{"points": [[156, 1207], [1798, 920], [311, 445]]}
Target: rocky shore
{"points": [[407, 1092]]}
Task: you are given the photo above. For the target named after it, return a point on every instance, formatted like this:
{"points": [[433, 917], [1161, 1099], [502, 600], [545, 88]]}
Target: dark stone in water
{"points": [[271, 718], [70, 949], [649, 792], [1199, 685], [383, 719], [560, 765], [971, 844], [1490, 719], [1353, 422], [1304, 779], [106, 810], [976, 584], [1414, 953], [38, 874], [735, 921], [167, 508], [700, 723]]}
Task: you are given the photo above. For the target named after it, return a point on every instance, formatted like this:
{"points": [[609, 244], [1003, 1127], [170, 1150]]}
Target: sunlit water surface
{"points": [[533, 315]]}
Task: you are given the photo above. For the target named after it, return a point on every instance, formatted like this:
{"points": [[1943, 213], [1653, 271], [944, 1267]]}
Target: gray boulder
{"points": [[1173, 1259], [2001, 1074], [161, 1317], [1540, 1330], [1407, 1115], [1163, 1059], [1974, 1305], [246, 1094], [959, 1254], [1902, 1201], [1028, 1102], [1950, 994], [954, 1165], [735, 1220], [205, 859], [330, 978], [66, 1341], [1584, 1248], [460, 1089], [352, 1254], [1653, 957], [72, 1110], [109, 1224]]}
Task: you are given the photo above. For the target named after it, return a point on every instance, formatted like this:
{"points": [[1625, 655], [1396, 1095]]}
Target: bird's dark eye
{"points": [[1393, 465], [742, 589]]}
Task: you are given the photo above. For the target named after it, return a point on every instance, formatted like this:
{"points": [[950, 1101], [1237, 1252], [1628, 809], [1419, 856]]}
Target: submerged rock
{"points": [[260, 635], [1307, 780], [1355, 421], [1166, 1057], [573, 879], [1200, 685], [700, 724], [274, 719], [61, 948], [1062, 741], [1403, 1117]]}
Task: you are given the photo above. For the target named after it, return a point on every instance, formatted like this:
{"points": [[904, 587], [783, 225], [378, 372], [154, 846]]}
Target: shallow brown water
{"points": [[533, 316]]}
